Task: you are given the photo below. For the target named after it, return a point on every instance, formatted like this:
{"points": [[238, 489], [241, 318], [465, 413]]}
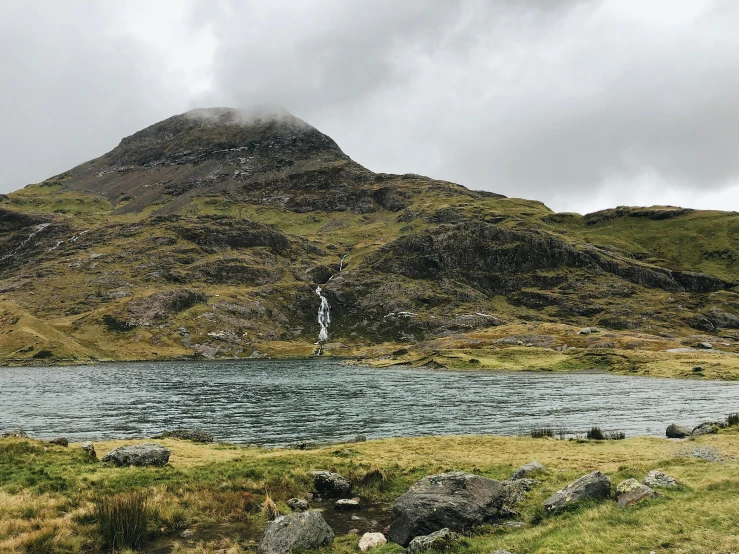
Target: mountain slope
{"points": [[207, 234]]}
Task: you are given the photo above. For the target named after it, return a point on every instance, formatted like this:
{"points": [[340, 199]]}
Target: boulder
{"points": [[195, 435], [298, 505], [443, 539], [146, 454], [294, 532], [89, 449], [707, 428], [675, 431], [632, 492], [458, 501], [331, 484], [657, 479], [347, 504], [593, 486], [514, 491], [528, 469], [370, 541]]}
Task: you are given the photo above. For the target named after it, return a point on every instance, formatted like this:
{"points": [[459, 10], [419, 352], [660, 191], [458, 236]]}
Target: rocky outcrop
{"points": [[147, 454], [331, 484], [296, 532], [163, 305], [632, 492], [676, 431], [456, 500], [593, 486], [440, 540]]}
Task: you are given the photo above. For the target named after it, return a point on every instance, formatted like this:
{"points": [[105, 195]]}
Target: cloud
{"points": [[575, 103]]}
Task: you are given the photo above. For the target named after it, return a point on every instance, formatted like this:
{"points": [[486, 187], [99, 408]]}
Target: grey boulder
{"points": [[298, 505], [632, 492], [294, 532], [147, 454], [514, 492], [528, 469], [458, 501], [331, 484], [443, 539], [89, 449], [593, 486], [657, 479], [675, 431], [707, 428]]}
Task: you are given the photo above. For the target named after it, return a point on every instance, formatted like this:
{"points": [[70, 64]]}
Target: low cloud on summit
{"points": [[581, 104]]}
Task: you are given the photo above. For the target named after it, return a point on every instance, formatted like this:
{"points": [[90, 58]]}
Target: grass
{"points": [[122, 519], [48, 493]]}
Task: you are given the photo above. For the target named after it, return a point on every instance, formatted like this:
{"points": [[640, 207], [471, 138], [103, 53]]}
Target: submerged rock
{"points": [[295, 532], [675, 431], [593, 486], [370, 541], [147, 454], [443, 539], [632, 492], [331, 484], [458, 501], [657, 479]]}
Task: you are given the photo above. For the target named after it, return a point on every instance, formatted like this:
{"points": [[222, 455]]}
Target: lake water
{"points": [[283, 402]]}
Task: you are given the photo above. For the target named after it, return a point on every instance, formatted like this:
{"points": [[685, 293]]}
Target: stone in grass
{"points": [[298, 505], [331, 484], [89, 449], [146, 454], [593, 486], [61, 441], [295, 532], [502, 552], [657, 479], [632, 492], [443, 539], [370, 541], [528, 469]]}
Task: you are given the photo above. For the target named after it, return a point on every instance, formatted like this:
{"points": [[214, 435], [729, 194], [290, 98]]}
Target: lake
{"points": [[283, 402]]}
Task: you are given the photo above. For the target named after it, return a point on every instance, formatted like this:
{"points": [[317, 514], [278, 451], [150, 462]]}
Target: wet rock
{"points": [[528, 469], [370, 541], [347, 504], [60, 441], [89, 449], [294, 532], [195, 435], [298, 505], [593, 486], [458, 501], [632, 492], [675, 431], [443, 539], [147, 454], [331, 484], [657, 479]]}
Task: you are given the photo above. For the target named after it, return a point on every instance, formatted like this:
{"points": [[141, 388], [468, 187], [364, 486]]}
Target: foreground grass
{"points": [[47, 492]]}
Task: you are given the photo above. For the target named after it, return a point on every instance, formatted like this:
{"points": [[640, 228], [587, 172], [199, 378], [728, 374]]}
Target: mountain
{"points": [[209, 233]]}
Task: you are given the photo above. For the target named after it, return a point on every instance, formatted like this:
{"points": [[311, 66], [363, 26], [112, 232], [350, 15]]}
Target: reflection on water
{"points": [[281, 402]]}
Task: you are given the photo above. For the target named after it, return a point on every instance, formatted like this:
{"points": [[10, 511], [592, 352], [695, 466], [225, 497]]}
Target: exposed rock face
{"points": [[657, 479], [632, 492], [195, 435], [440, 540], [593, 486], [675, 431], [331, 484], [147, 454], [162, 305], [456, 500], [370, 541], [528, 469], [295, 532]]}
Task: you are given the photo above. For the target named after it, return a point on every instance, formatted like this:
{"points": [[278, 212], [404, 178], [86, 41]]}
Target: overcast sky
{"points": [[581, 104]]}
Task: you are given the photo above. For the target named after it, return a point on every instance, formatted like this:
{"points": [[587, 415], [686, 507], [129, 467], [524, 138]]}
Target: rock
{"points": [[353, 532], [458, 501], [657, 479], [593, 486], [298, 505], [331, 484], [707, 428], [89, 449], [528, 469], [370, 541], [705, 345], [18, 434], [195, 435], [632, 492], [675, 431], [146, 454], [588, 331], [514, 493], [698, 369], [294, 532], [60, 441], [360, 438], [443, 539], [706, 453], [347, 504], [187, 534], [502, 552]]}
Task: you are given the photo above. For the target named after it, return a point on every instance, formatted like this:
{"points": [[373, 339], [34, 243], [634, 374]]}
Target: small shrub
{"points": [[615, 435], [542, 432], [122, 519], [733, 420], [596, 434], [269, 509]]}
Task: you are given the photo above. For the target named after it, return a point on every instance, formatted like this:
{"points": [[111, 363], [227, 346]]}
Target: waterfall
{"points": [[324, 316], [36, 230]]}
